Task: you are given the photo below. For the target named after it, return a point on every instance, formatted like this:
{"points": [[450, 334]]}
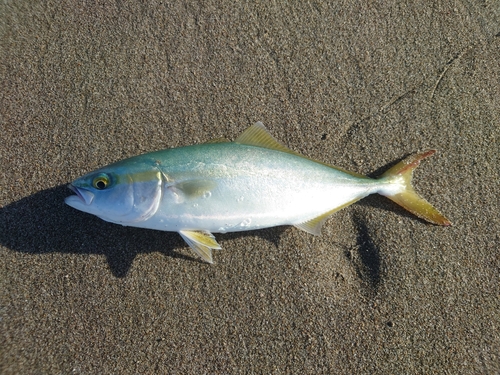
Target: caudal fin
{"points": [[408, 198]]}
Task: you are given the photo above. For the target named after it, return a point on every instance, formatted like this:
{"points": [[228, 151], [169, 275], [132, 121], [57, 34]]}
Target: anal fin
{"points": [[202, 242], [313, 226]]}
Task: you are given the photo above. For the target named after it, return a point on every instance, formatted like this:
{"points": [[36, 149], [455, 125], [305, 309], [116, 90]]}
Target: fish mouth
{"points": [[82, 196]]}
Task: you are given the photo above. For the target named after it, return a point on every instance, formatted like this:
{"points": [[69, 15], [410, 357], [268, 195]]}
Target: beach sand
{"points": [[355, 84]]}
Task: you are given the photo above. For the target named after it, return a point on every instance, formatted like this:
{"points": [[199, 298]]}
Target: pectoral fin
{"points": [[202, 242], [192, 188]]}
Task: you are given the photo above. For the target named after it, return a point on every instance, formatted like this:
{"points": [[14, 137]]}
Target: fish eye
{"points": [[101, 181]]}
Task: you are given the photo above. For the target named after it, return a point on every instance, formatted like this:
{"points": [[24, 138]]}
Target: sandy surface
{"points": [[356, 84]]}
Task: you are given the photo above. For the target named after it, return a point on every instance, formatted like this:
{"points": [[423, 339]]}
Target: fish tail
{"points": [[400, 189]]}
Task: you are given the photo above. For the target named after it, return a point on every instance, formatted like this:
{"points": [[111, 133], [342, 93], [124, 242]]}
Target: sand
{"points": [[356, 84]]}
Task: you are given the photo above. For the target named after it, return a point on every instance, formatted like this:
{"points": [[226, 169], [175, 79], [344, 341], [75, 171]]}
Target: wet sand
{"points": [[352, 84]]}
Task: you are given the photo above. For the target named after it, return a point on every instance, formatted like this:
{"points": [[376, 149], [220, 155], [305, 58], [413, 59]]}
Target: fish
{"points": [[252, 183]]}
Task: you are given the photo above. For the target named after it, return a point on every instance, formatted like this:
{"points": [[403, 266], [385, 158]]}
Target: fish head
{"points": [[119, 193]]}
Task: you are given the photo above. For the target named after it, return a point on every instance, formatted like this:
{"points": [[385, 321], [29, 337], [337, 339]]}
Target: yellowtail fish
{"points": [[221, 186]]}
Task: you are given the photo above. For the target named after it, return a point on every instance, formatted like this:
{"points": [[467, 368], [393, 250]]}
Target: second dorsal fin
{"points": [[257, 135]]}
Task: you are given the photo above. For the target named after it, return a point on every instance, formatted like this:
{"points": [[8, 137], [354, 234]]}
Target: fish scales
{"points": [[251, 183]]}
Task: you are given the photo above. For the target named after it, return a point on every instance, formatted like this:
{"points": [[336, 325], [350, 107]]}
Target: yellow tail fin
{"points": [[408, 198]]}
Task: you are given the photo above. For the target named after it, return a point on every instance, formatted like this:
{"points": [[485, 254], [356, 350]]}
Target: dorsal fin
{"points": [[257, 135]]}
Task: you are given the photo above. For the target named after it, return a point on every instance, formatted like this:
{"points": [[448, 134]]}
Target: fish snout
{"points": [[82, 196]]}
